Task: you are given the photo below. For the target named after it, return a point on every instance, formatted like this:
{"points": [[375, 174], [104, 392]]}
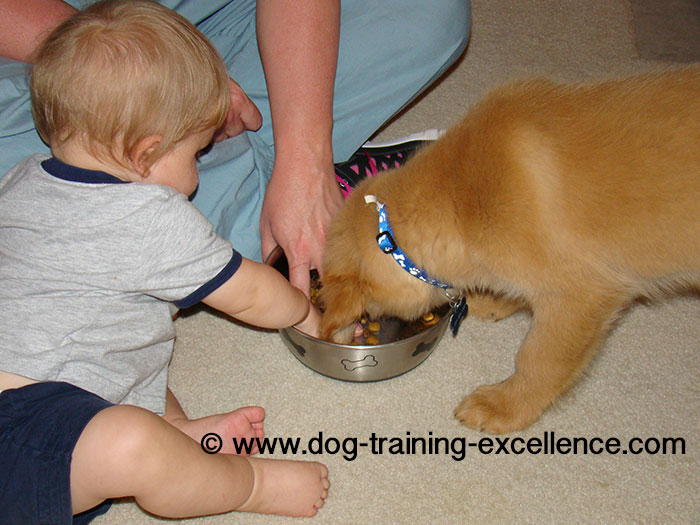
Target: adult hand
{"points": [[298, 42], [243, 114], [23, 25], [300, 200]]}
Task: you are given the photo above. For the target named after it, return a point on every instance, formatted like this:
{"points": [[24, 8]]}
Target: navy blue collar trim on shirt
{"points": [[203, 291], [64, 171]]}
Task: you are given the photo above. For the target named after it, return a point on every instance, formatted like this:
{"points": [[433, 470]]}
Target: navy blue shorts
{"points": [[39, 427]]}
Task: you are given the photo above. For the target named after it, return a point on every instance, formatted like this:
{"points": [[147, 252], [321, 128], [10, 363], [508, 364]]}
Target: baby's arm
{"points": [[258, 294]]}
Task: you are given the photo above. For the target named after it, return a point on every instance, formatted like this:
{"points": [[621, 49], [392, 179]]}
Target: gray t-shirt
{"points": [[92, 270]]}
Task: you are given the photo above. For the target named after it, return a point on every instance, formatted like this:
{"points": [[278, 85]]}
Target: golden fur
{"points": [[569, 201]]}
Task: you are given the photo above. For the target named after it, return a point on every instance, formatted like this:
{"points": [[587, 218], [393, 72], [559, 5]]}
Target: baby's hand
{"points": [[310, 325]]}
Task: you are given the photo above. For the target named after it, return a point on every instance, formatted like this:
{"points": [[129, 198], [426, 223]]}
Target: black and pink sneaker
{"points": [[374, 157]]}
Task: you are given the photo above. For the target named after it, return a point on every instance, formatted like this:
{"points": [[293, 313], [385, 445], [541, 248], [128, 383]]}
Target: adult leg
{"points": [[18, 137], [389, 52]]}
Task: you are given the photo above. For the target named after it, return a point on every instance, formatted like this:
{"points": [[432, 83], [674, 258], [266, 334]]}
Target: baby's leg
{"points": [[276, 483], [128, 451], [245, 423]]}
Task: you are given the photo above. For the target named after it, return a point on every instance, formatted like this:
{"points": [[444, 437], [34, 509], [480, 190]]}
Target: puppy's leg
{"points": [[342, 296], [565, 331], [492, 307]]}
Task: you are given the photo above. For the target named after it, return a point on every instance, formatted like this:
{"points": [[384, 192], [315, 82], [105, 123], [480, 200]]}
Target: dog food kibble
{"points": [[372, 340], [374, 326], [430, 319], [315, 289]]}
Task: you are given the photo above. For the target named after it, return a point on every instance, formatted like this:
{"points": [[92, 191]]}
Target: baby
{"points": [[99, 247]]}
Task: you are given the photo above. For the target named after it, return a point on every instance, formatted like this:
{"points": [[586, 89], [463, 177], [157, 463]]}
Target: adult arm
{"points": [[298, 41], [25, 23]]}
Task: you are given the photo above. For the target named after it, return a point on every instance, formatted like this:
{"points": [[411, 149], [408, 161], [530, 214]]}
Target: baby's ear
{"points": [[140, 154], [343, 298]]}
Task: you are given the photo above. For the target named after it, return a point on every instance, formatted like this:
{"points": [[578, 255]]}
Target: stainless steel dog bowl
{"points": [[402, 346]]}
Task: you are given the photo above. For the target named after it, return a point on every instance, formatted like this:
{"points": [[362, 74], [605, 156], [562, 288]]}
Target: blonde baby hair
{"points": [[121, 71]]}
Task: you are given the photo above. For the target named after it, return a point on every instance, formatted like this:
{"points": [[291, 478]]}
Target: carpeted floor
{"points": [[667, 29], [644, 382]]}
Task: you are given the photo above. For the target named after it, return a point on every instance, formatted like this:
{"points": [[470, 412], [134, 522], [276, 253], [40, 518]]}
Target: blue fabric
{"points": [[389, 52], [387, 243], [39, 427]]}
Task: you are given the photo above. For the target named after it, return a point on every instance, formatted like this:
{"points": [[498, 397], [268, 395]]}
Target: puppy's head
{"points": [[360, 278]]}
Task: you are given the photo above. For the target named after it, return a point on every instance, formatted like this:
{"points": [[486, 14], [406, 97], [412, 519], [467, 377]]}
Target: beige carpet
{"points": [[644, 383]]}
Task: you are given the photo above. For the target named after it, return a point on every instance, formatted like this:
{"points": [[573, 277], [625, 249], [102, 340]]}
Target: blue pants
{"points": [[40, 424], [389, 52]]}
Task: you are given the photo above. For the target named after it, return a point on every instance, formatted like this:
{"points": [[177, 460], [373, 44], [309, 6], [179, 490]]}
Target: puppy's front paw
{"points": [[335, 332], [496, 409], [344, 335]]}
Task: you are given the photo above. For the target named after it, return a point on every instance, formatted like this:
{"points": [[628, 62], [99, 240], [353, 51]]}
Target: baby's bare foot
{"points": [[287, 488], [244, 424]]}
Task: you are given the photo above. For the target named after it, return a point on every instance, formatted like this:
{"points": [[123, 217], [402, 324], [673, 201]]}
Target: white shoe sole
{"points": [[428, 134]]}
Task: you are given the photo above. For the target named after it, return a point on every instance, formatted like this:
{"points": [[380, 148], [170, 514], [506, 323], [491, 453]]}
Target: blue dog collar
{"points": [[385, 240], [387, 243]]}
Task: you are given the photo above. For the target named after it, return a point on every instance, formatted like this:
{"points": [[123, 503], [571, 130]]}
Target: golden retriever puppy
{"points": [[567, 200]]}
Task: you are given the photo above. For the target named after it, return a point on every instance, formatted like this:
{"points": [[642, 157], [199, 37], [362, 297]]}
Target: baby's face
{"points": [[178, 167]]}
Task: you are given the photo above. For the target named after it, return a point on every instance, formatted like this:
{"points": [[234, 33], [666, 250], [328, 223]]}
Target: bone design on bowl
{"points": [[399, 347]]}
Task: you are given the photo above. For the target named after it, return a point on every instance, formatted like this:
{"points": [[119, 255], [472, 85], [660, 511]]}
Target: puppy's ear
{"points": [[343, 298]]}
